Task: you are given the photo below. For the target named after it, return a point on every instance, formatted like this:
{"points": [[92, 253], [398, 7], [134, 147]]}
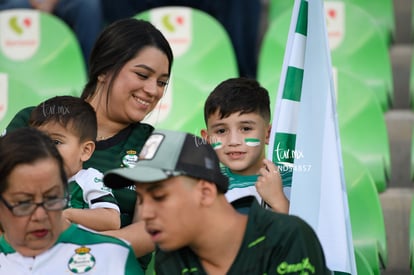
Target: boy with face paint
{"points": [[237, 116], [181, 196]]}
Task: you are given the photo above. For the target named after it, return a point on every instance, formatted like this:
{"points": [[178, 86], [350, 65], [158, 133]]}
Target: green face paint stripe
{"points": [[252, 141], [255, 242], [217, 145]]}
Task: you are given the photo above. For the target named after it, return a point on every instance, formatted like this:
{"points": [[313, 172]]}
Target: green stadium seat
{"points": [[203, 57], [361, 119], [363, 128], [367, 220], [362, 264], [278, 7], [364, 54], [14, 96], [271, 56], [361, 51], [381, 12], [42, 51]]}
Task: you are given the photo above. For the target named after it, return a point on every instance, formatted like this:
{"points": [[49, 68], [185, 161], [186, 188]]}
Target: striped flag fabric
{"points": [[304, 139]]}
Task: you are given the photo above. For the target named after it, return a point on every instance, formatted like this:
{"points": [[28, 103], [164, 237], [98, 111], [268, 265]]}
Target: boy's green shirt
{"points": [[121, 150], [241, 186]]}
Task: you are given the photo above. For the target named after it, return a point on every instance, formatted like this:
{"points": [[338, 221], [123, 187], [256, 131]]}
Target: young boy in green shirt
{"points": [[71, 123], [237, 116]]}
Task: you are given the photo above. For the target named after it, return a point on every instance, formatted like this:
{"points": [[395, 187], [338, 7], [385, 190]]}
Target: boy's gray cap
{"points": [[170, 153]]}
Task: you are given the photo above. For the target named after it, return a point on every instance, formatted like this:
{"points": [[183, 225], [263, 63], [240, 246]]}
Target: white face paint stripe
{"points": [[217, 145], [252, 142]]}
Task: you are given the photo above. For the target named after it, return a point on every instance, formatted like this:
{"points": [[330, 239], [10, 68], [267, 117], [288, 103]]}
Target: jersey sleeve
{"points": [[95, 193]]}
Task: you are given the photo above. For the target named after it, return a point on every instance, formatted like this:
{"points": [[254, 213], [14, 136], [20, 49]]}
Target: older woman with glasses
{"points": [[36, 240]]}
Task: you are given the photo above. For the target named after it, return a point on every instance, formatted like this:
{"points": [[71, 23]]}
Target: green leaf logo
{"points": [[167, 23], [14, 25]]}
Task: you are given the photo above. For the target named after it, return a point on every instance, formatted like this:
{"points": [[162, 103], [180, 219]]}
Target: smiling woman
{"points": [[36, 239], [129, 69]]}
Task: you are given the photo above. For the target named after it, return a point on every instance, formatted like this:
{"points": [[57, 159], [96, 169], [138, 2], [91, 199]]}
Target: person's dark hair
{"points": [[117, 44], [68, 111], [235, 95], [26, 146]]}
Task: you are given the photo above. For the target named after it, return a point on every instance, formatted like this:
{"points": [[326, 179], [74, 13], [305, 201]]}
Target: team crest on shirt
{"points": [[82, 261], [130, 159]]}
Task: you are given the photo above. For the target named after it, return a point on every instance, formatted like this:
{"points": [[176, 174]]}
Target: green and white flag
{"points": [[305, 136]]}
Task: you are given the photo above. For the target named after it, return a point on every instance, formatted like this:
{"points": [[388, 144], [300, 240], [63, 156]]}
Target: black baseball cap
{"points": [[167, 154]]}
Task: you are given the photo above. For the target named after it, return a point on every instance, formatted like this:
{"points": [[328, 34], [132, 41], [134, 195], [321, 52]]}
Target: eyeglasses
{"points": [[27, 208]]}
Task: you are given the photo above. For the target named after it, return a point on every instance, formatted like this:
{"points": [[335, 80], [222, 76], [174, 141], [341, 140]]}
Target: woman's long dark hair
{"points": [[117, 44]]}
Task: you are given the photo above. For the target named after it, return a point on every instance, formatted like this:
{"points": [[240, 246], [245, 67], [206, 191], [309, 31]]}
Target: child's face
{"points": [[68, 145], [239, 141]]}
